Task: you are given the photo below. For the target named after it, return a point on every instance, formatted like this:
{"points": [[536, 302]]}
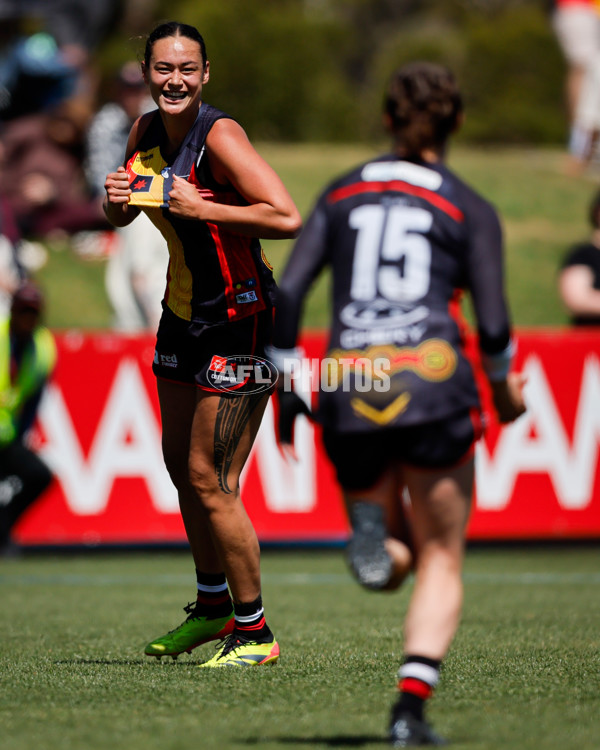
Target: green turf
{"points": [[524, 671]]}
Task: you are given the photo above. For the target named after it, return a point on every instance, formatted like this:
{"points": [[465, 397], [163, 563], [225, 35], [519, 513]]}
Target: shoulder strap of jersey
{"points": [[207, 117], [142, 126]]}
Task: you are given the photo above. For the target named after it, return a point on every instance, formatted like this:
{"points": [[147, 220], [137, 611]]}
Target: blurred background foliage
{"points": [[315, 70], [306, 80]]}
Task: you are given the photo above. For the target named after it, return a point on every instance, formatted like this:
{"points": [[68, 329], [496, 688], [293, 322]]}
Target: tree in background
{"points": [[304, 70]]}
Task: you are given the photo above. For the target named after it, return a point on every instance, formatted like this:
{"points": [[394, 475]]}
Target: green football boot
{"points": [[194, 631]]}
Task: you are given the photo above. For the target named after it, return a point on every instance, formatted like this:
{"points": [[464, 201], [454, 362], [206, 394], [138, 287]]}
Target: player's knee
{"points": [[213, 488]]}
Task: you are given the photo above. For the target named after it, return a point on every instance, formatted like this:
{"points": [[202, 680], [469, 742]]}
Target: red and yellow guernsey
{"points": [[214, 275]]}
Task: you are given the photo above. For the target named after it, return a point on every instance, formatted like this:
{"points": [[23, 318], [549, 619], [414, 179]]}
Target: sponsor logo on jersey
{"points": [[140, 183], [246, 284], [217, 364], [246, 297], [167, 360], [380, 313]]}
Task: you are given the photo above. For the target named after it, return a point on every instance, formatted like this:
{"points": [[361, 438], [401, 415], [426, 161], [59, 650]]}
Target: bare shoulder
{"points": [[227, 132], [230, 151]]}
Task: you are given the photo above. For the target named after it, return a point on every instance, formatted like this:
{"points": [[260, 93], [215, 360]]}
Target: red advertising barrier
{"points": [[99, 430]]}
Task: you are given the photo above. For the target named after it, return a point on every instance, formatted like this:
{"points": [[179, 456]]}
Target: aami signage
{"points": [[99, 430]]}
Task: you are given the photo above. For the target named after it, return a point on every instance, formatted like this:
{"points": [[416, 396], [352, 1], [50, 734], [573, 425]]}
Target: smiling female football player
{"points": [[193, 171]]}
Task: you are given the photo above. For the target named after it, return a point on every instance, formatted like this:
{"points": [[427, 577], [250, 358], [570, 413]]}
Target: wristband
{"points": [[287, 361], [497, 366]]}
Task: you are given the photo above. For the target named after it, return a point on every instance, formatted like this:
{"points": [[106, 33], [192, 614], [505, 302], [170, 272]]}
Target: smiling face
{"points": [[175, 75]]}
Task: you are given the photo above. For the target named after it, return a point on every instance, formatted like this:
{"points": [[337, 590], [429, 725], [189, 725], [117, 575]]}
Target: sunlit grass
{"points": [[523, 672], [543, 212]]}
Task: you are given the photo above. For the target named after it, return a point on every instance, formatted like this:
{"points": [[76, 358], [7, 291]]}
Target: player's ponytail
{"points": [[424, 104]]}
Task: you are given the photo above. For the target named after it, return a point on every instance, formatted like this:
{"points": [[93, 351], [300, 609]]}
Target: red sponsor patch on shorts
{"points": [[217, 363]]}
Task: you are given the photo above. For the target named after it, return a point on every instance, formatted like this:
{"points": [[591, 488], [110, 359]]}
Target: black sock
{"points": [[250, 623], [417, 678], [213, 595]]}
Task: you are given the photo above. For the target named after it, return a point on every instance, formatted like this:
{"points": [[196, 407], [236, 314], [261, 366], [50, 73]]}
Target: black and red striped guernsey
{"points": [[214, 275], [402, 239]]}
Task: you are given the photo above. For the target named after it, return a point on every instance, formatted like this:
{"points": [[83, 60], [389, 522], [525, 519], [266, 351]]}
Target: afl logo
{"points": [[242, 374]]}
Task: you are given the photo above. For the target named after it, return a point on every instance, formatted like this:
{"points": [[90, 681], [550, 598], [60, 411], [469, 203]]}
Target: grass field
{"points": [[543, 212], [523, 673]]}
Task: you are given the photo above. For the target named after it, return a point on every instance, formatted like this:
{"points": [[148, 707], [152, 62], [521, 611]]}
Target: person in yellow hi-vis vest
{"points": [[27, 360]]}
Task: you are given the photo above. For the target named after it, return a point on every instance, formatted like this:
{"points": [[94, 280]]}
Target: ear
{"points": [[206, 75], [145, 72]]}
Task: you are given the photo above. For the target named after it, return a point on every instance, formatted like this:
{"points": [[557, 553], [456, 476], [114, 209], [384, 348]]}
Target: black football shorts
{"points": [[225, 358], [360, 458]]}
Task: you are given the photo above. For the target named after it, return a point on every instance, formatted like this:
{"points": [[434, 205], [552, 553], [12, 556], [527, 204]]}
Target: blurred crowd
{"points": [[62, 129], [576, 24]]}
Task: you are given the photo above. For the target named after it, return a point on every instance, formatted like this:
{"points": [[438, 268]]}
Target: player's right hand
{"points": [[290, 405], [508, 397], [117, 186]]}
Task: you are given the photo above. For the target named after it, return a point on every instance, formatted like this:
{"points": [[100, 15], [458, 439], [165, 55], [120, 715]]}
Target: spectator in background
{"points": [[137, 262], [48, 86], [18, 257], [577, 27], [579, 277], [46, 49], [79, 26], [27, 360], [35, 75], [42, 180], [12, 271]]}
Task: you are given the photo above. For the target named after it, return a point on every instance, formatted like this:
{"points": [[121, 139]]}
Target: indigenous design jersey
{"points": [[214, 275], [402, 239]]}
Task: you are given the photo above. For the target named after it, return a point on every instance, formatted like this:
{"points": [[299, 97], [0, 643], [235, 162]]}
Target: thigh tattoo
{"points": [[231, 421]]}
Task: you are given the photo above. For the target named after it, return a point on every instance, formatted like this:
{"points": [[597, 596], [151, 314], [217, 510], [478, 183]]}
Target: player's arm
{"points": [[116, 202], [270, 213], [486, 282], [306, 261]]}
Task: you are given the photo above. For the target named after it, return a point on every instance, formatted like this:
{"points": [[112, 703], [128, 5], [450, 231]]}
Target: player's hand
{"points": [[290, 405], [117, 186], [508, 397], [185, 200]]}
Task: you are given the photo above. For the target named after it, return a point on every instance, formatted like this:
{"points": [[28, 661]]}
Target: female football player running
{"points": [[402, 234], [192, 169]]}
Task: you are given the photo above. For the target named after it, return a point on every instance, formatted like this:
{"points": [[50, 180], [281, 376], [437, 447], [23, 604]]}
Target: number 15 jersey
{"points": [[402, 239]]}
